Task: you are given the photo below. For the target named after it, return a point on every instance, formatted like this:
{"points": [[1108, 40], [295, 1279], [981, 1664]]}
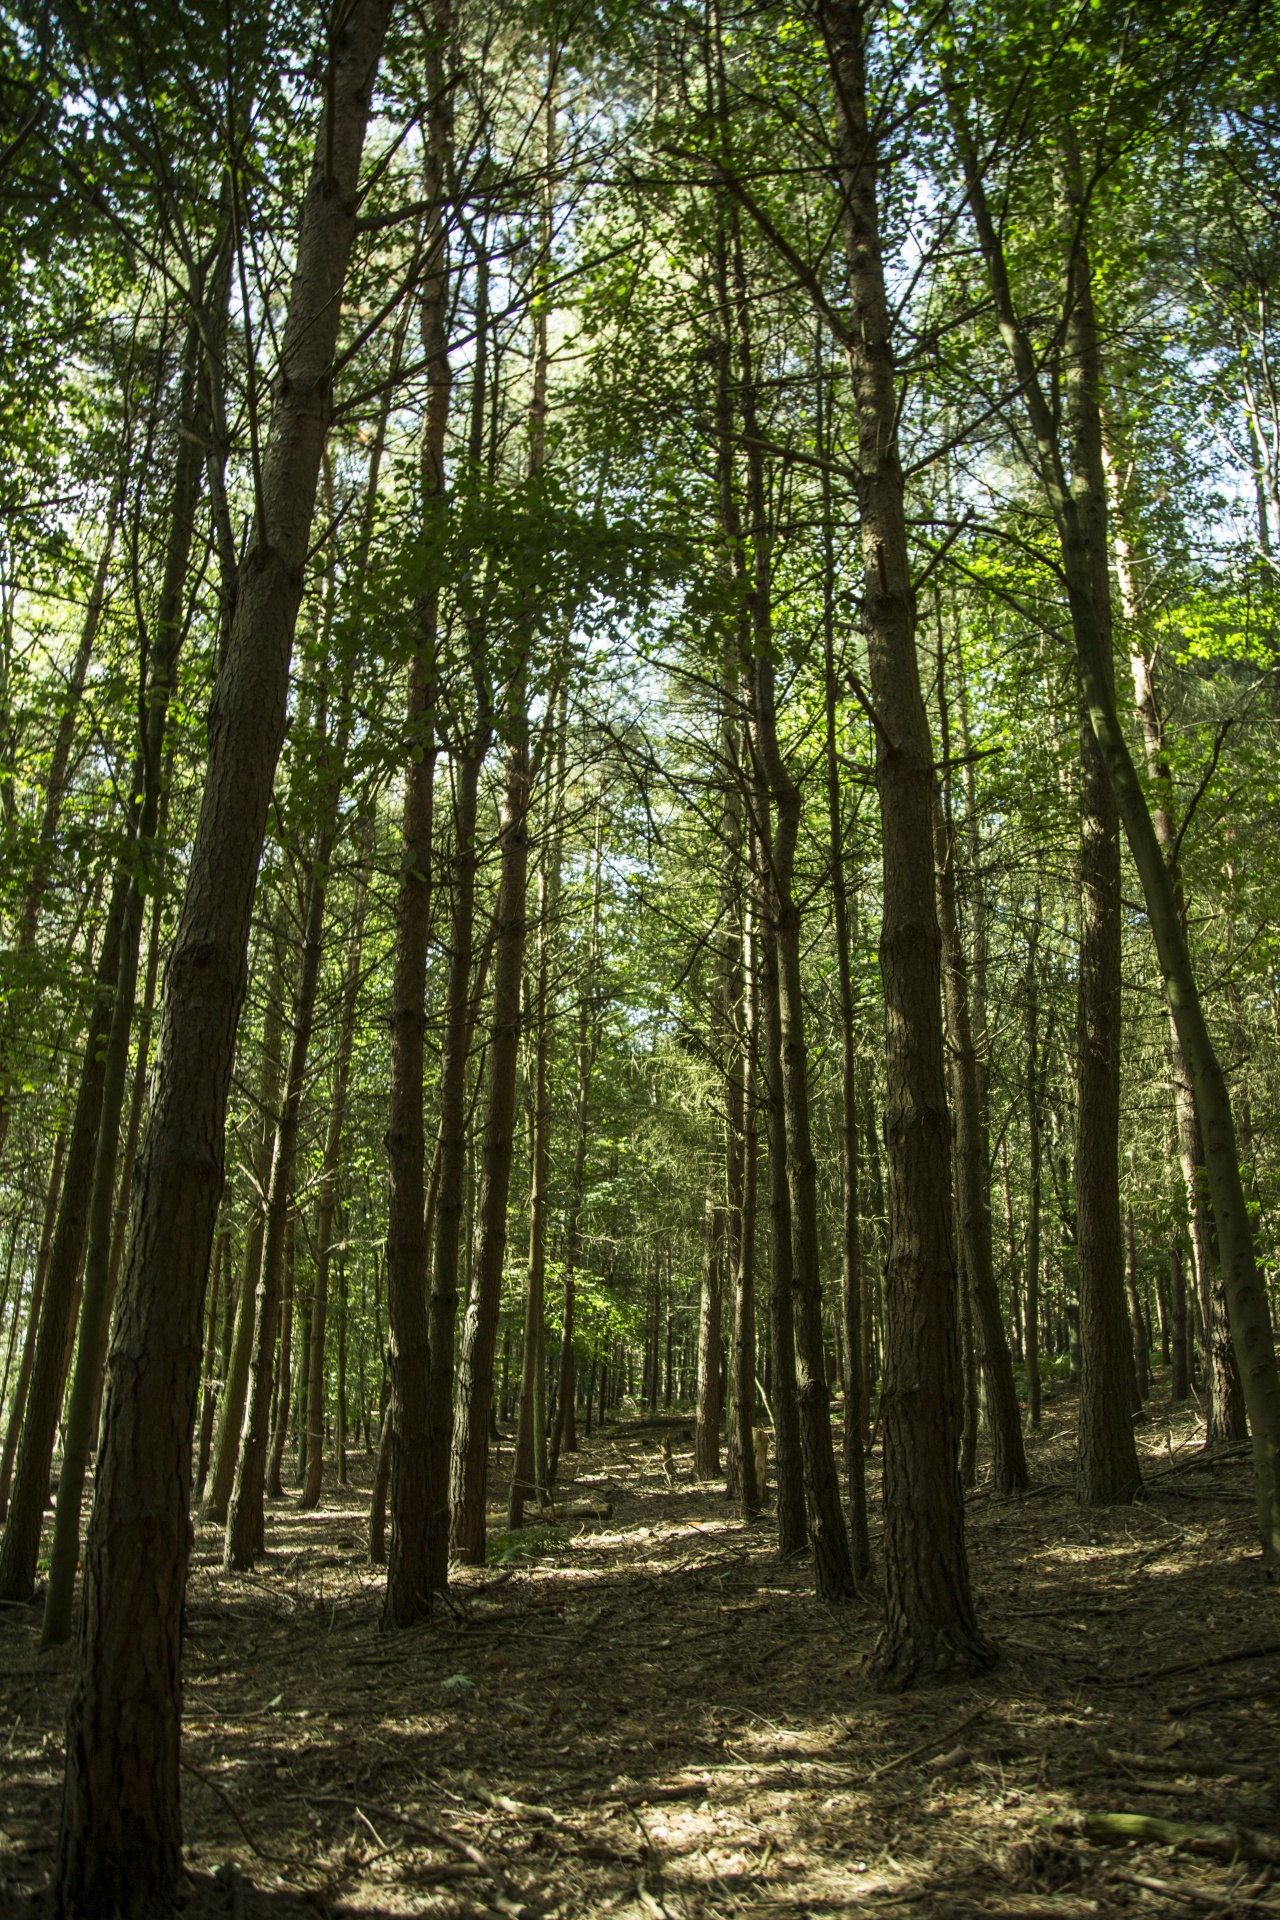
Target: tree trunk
{"points": [[246, 1538], [408, 1594], [219, 1288], [1031, 1337], [851, 1277], [282, 1401], [1225, 1421], [20, 1551], [310, 1495], [973, 1209], [20, 1386], [529, 1474], [56, 781], [590, 1026], [706, 1430], [1106, 1460], [930, 1627], [1180, 1376], [470, 1456], [1137, 1324], [451, 1193], [120, 1838], [787, 1454], [217, 1494], [1248, 1305], [742, 1340]]}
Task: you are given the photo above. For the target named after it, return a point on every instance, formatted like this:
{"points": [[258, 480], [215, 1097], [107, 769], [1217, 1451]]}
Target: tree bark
{"points": [[246, 1537], [408, 1594], [120, 1838], [18, 1405], [529, 1471], [707, 1415], [1031, 1335], [1106, 1459], [1249, 1309], [20, 1550], [1224, 1420], [787, 1453], [1008, 1456], [310, 1495], [217, 1494], [930, 1627], [564, 1435], [282, 1386], [470, 1456], [56, 780]]}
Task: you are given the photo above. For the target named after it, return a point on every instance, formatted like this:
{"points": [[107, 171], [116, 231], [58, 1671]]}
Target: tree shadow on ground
{"points": [[652, 1715]]}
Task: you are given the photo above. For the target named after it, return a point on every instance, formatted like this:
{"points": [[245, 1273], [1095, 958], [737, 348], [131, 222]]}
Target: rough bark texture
{"points": [[1106, 1457], [120, 1840], [930, 1628], [408, 1581]]}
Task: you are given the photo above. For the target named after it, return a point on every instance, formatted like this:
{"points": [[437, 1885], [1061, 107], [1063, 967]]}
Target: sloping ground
{"points": [[649, 1715]]}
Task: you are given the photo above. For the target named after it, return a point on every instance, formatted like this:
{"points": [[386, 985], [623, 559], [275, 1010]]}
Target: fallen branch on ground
{"points": [[926, 1746], [1197, 1896], [1264, 1652], [1217, 1843]]}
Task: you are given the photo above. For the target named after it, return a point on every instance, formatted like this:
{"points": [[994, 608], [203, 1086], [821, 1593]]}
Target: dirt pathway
{"points": [[649, 1715]]}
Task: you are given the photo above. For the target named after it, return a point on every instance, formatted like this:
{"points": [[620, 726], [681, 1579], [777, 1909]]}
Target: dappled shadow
{"points": [[651, 1714]]}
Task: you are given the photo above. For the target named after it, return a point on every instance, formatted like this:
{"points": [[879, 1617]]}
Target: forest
{"points": [[640, 958]]}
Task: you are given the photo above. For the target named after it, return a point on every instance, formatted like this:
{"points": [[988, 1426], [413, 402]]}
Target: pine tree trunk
{"points": [[1225, 1415], [451, 1193], [930, 1626], [56, 783], [1008, 1456], [282, 1399], [787, 1454], [408, 1594], [707, 1415], [1248, 1305], [20, 1550], [246, 1536], [1106, 1460], [310, 1495], [529, 1473], [470, 1456], [217, 1496], [1180, 1374], [120, 1839], [1031, 1337], [590, 1026], [219, 1287], [18, 1405]]}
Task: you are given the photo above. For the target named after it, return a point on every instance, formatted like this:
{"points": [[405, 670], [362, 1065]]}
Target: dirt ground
{"points": [[650, 1715]]}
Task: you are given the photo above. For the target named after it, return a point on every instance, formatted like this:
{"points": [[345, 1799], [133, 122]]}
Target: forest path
{"points": [[651, 1717]]}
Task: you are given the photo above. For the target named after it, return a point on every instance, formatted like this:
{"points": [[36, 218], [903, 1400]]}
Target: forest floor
{"points": [[651, 1717]]}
